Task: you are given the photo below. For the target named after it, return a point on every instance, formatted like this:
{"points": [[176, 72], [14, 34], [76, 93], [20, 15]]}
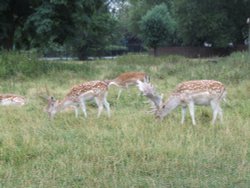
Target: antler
{"points": [[149, 91], [44, 95]]}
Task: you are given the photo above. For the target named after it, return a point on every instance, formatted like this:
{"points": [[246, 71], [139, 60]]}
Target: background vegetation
{"points": [[157, 27], [131, 149], [86, 28]]}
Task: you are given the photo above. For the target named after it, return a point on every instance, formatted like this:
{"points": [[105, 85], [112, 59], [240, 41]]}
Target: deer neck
{"points": [[61, 104], [172, 103]]}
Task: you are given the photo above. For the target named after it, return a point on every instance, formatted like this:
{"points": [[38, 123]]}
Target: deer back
{"points": [[12, 99]]}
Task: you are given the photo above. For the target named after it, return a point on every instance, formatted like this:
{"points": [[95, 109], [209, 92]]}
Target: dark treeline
{"points": [[89, 28]]}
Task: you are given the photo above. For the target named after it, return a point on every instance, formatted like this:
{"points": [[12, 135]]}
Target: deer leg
{"points": [[220, 114], [83, 106], [100, 106], [192, 113], [216, 110], [146, 79], [214, 106], [128, 89], [76, 111], [183, 114], [119, 93], [107, 106]]}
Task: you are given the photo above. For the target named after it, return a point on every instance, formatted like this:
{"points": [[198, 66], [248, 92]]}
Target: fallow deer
{"points": [[127, 79], [78, 96], [187, 94], [12, 100]]}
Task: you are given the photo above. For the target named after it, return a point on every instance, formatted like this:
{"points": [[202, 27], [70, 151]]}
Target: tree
{"points": [[217, 22], [13, 14], [157, 27], [81, 25], [84, 26]]}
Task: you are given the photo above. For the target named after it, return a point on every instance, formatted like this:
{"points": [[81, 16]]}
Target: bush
{"points": [[27, 64], [16, 63], [113, 50]]}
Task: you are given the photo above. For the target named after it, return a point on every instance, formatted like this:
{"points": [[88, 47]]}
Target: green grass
{"points": [[131, 149]]}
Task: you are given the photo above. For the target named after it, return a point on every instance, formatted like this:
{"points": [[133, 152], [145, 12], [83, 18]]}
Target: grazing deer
{"points": [[187, 94], [78, 95], [124, 80], [12, 100]]}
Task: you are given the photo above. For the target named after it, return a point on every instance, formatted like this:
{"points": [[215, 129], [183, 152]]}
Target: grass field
{"points": [[131, 149]]}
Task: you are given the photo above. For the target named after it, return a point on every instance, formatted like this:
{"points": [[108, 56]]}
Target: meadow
{"points": [[132, 148]]}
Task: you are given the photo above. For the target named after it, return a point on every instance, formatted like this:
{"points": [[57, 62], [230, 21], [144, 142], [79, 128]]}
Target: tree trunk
{"points": [[81, 54], [155, 51], [8, 42]]}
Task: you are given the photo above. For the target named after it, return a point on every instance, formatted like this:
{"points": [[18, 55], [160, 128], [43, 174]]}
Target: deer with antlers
{"points": [[12, 100], [187, 94], [78, 96], [127, 79]]}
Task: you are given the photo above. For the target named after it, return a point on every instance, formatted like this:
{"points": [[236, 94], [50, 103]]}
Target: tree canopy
{"points": [[157, 27], [83, 25], [218, 22], [87, 27]]}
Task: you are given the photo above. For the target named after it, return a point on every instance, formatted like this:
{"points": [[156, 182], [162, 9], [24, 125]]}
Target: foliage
{"points": [[13, 64], [138, 9], [85, 27], [113, 50], [217, 22], [13, 15], [130, 149], [157, 26], [81, 25], [27, 65], [129, 14]]}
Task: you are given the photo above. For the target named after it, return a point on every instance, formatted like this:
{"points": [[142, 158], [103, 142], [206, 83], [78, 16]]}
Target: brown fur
{"points": [[128, 78]]}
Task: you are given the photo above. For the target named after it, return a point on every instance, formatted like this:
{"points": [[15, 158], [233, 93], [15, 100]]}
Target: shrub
{"points": [[15, 63], [29, 65]]}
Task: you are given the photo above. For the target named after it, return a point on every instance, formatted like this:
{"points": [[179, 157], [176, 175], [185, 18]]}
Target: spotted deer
{"points": [[78, 96], [187, 94], [127, 79], [12, 100]]}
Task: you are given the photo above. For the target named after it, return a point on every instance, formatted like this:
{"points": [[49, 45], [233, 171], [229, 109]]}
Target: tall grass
{"points": [[130, 149], [25, 64]]}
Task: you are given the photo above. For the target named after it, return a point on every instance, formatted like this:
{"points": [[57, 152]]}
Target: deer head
{"points": [[187, 94]]}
